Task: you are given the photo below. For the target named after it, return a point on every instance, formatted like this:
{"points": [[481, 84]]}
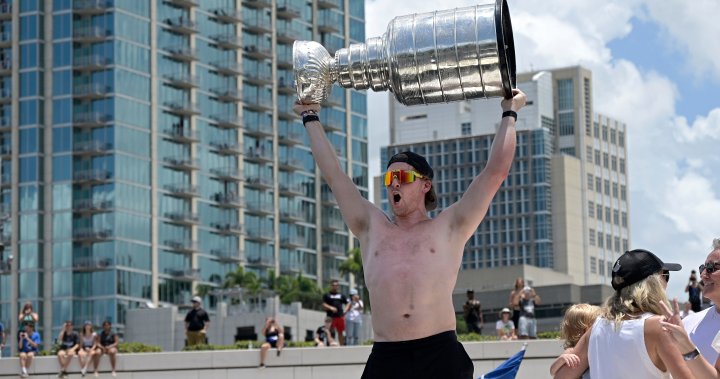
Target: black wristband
{"points": [[512, 114], [310, 117]]}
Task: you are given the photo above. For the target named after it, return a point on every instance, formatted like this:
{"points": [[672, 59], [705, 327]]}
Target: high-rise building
{"points": [[561, 216], [150, 147]]}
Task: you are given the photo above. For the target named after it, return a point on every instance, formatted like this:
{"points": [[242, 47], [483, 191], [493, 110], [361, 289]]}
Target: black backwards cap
{"points": [[421, 165], [636, 265]]}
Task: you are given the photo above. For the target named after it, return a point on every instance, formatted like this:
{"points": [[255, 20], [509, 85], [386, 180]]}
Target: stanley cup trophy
{"points": [[435, 57]]}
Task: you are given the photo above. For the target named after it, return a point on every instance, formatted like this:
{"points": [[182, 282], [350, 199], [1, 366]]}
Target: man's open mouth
{"points": [[396, 198]]}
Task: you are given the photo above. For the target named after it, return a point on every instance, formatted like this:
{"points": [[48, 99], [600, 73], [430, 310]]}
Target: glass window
{"points": [[29, 55], [61, 26], [30, 84], [30, 26], [62, 82], [62, 168], [62, 54], [566, 123], [565, 94], [61, 139], [29, 142], [60, 5], [29, 169], [29, 6]]}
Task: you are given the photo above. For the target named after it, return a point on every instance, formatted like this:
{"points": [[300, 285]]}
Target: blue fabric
{"points": [[26, 347], [508, 369]]}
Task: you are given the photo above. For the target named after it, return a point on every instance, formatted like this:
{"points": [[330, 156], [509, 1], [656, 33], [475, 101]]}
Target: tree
{"points": [[354, 265]]}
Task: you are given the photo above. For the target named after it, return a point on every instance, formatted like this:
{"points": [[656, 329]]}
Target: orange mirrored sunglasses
{"points": [[403, 176]]}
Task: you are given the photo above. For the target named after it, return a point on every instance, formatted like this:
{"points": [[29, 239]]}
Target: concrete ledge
{"points": [[294, 363]]}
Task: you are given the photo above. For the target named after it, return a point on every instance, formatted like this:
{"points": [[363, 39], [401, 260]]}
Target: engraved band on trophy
{"points": [[435, 57]]}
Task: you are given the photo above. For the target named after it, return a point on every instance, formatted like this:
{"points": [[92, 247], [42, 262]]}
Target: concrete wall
{"points": [[165, 327], [305, 363]]}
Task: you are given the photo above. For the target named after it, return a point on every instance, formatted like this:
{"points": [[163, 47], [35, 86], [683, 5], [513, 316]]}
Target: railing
{"points": [[228, 67], [228, 41], [92, 234], [228, 121], [187, 274], [227, 148], [227, 256], [181, 25], [227, 15], [227, 228], [183, 217], [92, 89], [92, 175], [183, 107], [229, 173], [182, 134], [182, 189], [91, 6], [90, 118], [228, 199], [91, 62], [91, 33], [182, 245], [92, 205], [182, 80], [91, 263]]}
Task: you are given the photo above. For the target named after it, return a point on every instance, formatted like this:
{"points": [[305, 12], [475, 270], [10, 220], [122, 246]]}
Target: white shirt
{"points": [[354, 311], [621, 353], [702, 328]]}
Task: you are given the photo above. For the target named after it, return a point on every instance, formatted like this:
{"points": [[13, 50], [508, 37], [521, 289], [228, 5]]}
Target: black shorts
{"points": [[437, 356], [272, 343]]}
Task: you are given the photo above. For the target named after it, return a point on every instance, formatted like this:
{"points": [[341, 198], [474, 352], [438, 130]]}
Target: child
{"points": [[578, 319]]}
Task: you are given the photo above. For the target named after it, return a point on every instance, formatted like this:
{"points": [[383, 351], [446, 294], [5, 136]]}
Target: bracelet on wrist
{"points": [[512, 114], [691, 355], [307, 112], [309, 118]]}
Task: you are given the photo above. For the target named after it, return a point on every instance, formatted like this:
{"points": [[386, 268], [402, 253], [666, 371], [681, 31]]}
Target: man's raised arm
{"points": [[355, 209], [469, 211]]}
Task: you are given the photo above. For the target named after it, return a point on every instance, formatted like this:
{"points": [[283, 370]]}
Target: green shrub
{"points": [[554, 335], [203, 347], [137, 347], [474, 337], [300, 344]]}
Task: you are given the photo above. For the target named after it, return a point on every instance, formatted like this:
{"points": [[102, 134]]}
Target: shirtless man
{"points": [[411, 261]]}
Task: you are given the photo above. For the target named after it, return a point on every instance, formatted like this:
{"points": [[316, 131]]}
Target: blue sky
{"points": [[655, 66]]}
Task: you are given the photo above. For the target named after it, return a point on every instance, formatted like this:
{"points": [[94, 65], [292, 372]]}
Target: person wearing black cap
{"points": [[628, 340], [410, 260]]}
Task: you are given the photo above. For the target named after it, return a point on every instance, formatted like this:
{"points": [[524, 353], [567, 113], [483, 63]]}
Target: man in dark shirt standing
{"points": [[334, 305], [473, 313], [196, 323]]}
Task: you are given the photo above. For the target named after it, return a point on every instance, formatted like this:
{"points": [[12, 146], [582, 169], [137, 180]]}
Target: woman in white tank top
{"points": [[627, 341]]}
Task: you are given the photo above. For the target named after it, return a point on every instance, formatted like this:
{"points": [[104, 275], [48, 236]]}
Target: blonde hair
{"points": [[578, 319], [638, 298]]}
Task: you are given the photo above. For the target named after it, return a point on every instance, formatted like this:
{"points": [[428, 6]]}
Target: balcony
{"points": [[285, 112], [90, 34], [328, 22], [228, 41], [286, 87], [259, 235], [287, 10], [5, 180], [227, 256], [291, 164], [182, 108], [228, 68], [259, 182], [91, 264], [91, 7], [5, 39], [228, 121], [91, 63], [183, 218], [334, 249], [182, 190], [228, 174], [258, 156], [91, 91], [258, 52], [5, 67], [329, 4], [230, 201], [258, 78], [182, 163], [261, 261], [5, 151], [257, 3], [93, 176], [333, 126], [181, 135], [292, 242], [92, 206], [5, 11], [5, 211], [228, 229], [5, 268], [287, 33], [91, 235], [183, 3], [290, 268], [258, 129], [291, 190], [290, 138], [5, 239], [226, 148], [181, 25], [227, 15], [182, 81], [261, 208], [91, 148], [90, 119], [284, 58], [182, 53], [227, 95], [258, 103], [182, 246], [335, 224], [188, 274], [5, 124], [292, 215]]}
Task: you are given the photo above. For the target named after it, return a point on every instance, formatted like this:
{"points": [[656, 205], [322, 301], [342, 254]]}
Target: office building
{"points": [[150, 147]]}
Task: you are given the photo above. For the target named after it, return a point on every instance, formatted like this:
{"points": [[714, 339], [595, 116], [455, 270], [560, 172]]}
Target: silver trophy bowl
{"points": [[436, 57]]}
